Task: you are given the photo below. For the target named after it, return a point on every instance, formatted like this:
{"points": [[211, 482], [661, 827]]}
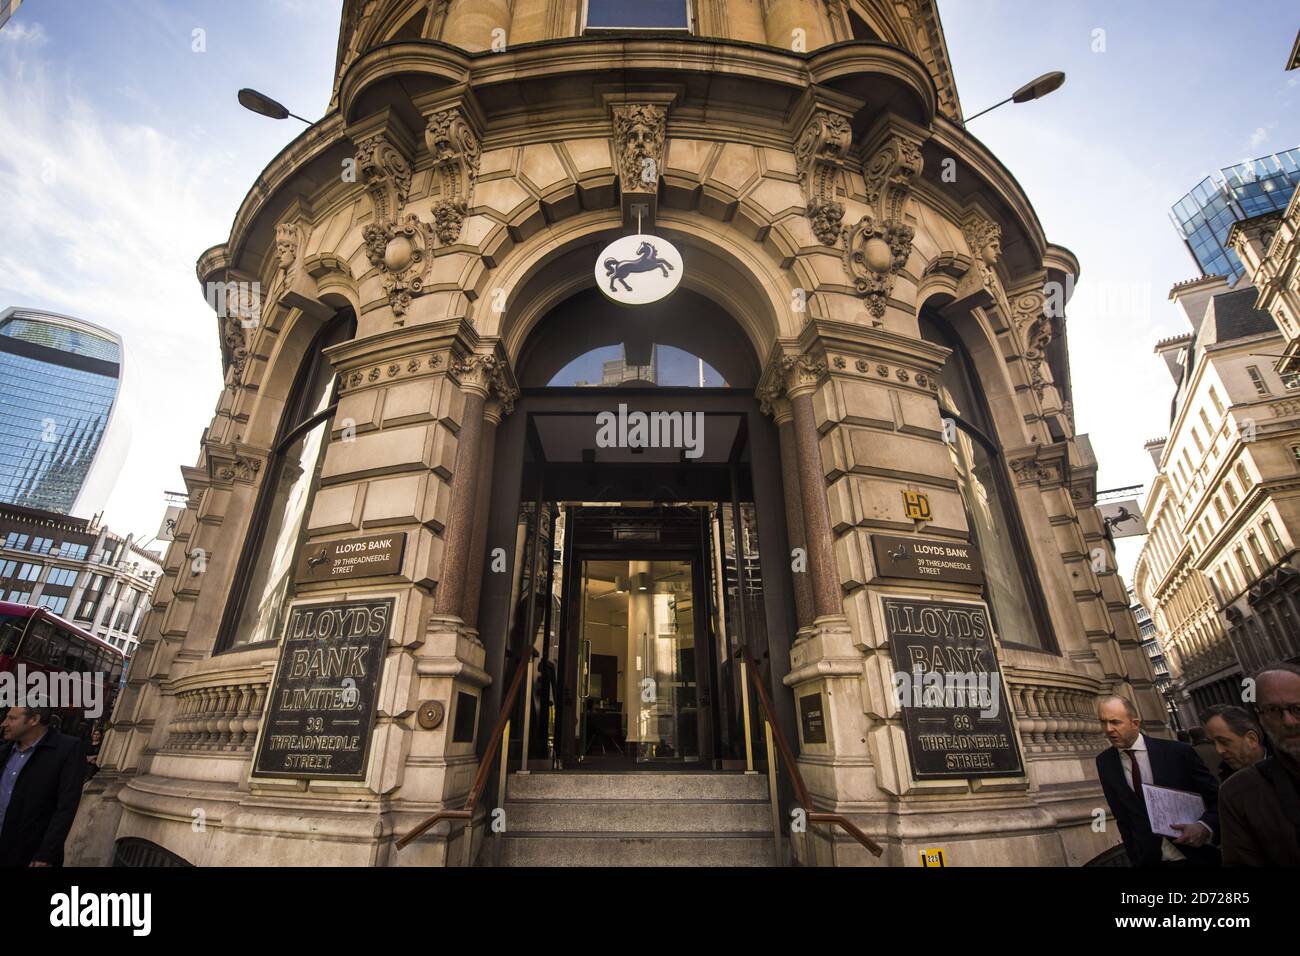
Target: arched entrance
{"points": [[637, 490]]}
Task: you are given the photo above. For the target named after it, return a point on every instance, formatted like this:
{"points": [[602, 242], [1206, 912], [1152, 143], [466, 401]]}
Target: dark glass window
{"points": [[1011, 586], [638, 15], [264, 581]]}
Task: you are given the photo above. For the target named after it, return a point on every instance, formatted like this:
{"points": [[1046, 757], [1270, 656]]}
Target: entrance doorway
{"points": [[642, 677], [637, 485]]}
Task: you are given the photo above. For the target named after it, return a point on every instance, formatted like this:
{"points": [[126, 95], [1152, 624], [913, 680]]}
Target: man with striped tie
{"points": [[1132, 759]]}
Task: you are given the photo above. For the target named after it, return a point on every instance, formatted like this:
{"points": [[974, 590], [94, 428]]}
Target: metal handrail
{"points": [[802, 797], [499, 731]]}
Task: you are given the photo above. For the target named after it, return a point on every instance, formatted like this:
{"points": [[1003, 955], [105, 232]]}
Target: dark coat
{"points": [[1175, 765], [44, 801], [1261, 816]]}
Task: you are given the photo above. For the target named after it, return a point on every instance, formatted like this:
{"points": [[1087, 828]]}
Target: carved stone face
{"points": [[285, 252], [642, 139], [992, 249]]}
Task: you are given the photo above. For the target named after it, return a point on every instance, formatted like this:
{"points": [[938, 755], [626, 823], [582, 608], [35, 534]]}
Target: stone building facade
{"points": [[80, 570], [1216, 571], [870, 282]]}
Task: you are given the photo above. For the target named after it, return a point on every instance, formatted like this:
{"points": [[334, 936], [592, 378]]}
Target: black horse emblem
{"points": [[647, 258]]}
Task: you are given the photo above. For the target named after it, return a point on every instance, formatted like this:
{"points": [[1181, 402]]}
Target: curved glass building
{"points": [[61, 443]]}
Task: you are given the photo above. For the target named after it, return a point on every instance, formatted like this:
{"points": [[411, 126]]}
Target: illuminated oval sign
{"points": [[637, 270]]}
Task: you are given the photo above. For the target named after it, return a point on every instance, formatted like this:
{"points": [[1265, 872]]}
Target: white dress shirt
{"points": [[1167, 849]]}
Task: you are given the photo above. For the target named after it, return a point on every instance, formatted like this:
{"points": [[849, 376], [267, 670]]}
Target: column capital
{"points": [[789, 375], [488, 375]]}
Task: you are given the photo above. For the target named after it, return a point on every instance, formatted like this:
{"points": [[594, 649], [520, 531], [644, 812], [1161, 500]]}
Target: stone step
{"points": [[648, 785], [529, 817], [636, 849]]}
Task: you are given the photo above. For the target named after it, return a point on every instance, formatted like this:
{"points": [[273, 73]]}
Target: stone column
{"points": [[803, 589], [826, 597], [475, 374], [492, 415]]}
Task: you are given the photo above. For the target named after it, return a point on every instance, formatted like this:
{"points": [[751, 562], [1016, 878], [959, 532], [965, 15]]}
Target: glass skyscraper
{"points": [[59, 384], [1205, 215]]}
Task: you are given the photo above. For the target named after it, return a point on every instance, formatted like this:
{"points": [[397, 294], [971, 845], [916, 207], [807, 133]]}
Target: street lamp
{"points": [[1033, 90], [261, 103]]}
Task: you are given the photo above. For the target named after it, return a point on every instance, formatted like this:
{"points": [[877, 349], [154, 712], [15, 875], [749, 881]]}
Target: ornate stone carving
{"points": [[889, 176], [288, 244], [403, 253], [487, 373], [1029, 470], [874, 252], [786, 374], [821, 153], [639, 134], [387, 176], [456, 151], [984, 237], [237, 467], [1036, 329], [234, 344]]}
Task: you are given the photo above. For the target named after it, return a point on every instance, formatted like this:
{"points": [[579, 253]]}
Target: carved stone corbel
{"points": [[455, 149], [821, 153], [1036, 330], [387, 175], [889, 174]]}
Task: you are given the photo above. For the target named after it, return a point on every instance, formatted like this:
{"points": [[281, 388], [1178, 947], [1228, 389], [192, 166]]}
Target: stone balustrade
{"points": [[220, 718], [1055, 719]]}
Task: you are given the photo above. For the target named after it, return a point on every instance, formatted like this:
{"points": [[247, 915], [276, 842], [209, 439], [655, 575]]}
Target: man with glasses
{"points": [[1259, 807]]}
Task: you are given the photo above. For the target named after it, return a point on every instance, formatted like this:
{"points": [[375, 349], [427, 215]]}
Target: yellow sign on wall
{"points": [[933, 857], [916, 506]]}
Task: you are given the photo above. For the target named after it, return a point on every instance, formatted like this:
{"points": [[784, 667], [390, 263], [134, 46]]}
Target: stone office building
{"points": [[404, 495]]}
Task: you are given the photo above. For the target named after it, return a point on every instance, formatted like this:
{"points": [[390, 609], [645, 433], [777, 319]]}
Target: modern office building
{"points": [[1206, 215], [1217, 571], [63, 438], [80, 570], [405, 543]]}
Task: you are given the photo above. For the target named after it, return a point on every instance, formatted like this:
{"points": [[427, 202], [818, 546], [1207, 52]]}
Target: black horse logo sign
{"points": [[647, 259]]}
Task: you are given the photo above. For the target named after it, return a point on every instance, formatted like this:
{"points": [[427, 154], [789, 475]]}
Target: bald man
{"points": [[1134, 759], [1261, 804]]}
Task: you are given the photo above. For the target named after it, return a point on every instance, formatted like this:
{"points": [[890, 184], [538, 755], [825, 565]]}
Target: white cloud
{"points": [[104, 220], [14, 32]]}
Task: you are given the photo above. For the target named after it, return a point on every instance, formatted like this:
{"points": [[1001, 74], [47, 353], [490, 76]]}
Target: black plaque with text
{"points": [[368, 556], [322, 708], [812, 719], [955, 711], [926, 559]]}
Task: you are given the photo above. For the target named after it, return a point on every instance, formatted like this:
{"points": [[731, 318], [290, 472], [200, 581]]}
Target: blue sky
{"points": [[123, 155], [1182, 89]]}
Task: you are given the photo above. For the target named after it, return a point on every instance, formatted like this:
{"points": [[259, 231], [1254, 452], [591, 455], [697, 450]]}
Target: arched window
{"points": [[683, 342], [263, 581], [1011, 585]]}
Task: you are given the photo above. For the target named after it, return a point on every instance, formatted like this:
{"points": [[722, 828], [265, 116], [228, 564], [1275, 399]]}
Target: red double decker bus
{"points": [[42, 641]]}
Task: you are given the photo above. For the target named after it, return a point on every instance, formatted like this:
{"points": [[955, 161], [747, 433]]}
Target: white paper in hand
{"points": [[1165, 807]]}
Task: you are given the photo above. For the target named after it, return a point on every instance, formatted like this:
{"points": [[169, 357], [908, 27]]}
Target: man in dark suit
{"points": [[1134, 759], [41, 773], [1261, 804]]}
